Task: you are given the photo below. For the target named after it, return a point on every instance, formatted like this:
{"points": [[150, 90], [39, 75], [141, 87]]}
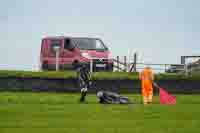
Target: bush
{"points": [[30, 74]]}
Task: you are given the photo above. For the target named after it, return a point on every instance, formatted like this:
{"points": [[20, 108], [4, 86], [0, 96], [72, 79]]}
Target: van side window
{"points": [[68, 44]]}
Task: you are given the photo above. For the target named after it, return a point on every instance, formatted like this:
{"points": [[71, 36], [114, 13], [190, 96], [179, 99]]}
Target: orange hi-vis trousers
{"points": [[146, 76], [147, 91]]}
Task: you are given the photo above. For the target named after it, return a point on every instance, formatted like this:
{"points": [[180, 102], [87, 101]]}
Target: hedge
{"points": [[97, 75], [31, 74]]}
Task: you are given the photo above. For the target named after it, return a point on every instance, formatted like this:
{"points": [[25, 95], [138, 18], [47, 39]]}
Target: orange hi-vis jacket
{"points": [[146, 76]]}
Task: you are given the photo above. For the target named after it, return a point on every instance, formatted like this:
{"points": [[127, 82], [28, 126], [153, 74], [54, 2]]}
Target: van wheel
{"points": [[44, 66], [75, 65], [110, 68]]}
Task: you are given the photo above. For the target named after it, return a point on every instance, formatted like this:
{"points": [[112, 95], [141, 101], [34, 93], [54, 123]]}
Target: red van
{"points": [[73, 51]]}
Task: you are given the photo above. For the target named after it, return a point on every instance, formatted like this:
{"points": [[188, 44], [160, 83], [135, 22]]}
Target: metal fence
{"points": [[122, 64], [125, 66]]}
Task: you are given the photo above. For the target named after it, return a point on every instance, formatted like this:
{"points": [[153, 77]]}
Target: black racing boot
{"points": [[83, 95]]}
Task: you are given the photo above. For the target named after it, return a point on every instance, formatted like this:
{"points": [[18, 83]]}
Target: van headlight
{"points": [[110, 56], [85, 55]]}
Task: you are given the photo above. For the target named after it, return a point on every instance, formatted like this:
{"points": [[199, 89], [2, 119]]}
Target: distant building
{"points": [[194, 66]]}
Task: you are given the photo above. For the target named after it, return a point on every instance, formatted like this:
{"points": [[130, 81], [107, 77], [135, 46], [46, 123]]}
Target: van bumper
{"points": [[107, 67], [96, 66], [53, 67], [100, 66]]}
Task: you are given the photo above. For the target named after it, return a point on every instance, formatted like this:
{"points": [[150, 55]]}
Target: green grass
{"points": [[59, 112], [115, 75]]}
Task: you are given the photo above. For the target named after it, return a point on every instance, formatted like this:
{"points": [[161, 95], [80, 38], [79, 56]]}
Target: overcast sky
{"points": [[160, 30]]}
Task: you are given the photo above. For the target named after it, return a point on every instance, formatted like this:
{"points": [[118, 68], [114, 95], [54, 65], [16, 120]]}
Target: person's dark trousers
{"points": [[83, 94]]}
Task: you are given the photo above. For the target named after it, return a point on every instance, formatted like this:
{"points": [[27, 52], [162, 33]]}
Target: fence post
{"points": [[125, 64], [165, 67], [39, 65], [91, 65], [118, 63], [135, 62], [57, 60], [186, 69], [56, 49]]}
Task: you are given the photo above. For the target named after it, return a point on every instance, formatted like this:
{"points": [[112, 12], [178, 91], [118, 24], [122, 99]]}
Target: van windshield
{"points": [[89, 44]]}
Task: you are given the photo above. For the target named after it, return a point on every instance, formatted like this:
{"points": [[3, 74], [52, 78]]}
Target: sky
{"points": [[159, 31]]}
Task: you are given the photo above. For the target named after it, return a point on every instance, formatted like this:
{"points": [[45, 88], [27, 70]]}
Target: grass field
{"points": [[61, 113]]}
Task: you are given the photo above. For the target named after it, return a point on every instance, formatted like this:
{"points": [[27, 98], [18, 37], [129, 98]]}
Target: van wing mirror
{"points": [[106, 48], [71, 47]]}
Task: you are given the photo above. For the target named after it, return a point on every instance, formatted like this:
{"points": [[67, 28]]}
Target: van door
{"points": [[44, 52], [68, 53]]}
